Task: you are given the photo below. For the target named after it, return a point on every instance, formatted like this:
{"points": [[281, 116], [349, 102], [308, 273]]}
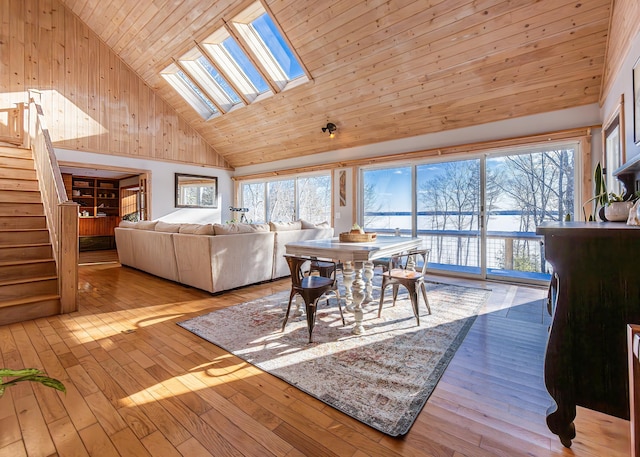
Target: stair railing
{"points": [[13, 131], [61, 213]]}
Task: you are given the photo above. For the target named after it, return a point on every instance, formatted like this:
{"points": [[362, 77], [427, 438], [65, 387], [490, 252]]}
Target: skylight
{"points": [[220, 74], [274, 43], [190, 92]]}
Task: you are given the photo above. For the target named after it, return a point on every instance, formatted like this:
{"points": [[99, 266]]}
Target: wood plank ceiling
{"points": [[381, 69]]}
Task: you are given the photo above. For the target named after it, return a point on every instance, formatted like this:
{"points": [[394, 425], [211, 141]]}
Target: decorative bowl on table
{"points": [[357, 237]]}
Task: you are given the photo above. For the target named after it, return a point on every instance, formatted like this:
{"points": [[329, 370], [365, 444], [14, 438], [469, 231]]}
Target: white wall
{"points": [[162, 184]]}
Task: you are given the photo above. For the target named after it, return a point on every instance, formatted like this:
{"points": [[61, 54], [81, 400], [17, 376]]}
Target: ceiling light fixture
{"points": [[331, 128]]}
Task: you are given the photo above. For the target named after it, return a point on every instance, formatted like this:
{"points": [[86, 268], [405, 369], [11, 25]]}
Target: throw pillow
{"points": [[127, 224], [146, 225], [197, 229], [285, 226], [233, 229], [167, 227]]}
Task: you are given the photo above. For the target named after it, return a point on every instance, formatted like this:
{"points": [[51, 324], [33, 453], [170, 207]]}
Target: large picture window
{"points": [[305, 197]]}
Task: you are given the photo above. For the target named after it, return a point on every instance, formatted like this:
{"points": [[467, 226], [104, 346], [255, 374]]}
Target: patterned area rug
{"points": [[382, 378]]}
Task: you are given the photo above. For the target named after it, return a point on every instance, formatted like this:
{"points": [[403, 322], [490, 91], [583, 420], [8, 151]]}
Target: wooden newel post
{"points": [[68, 256]]}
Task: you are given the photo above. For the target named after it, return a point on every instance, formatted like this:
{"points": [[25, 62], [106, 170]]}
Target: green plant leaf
{"points": [[50, 382], [6, 372]]}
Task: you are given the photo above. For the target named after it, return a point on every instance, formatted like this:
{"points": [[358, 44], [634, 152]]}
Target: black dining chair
{"points": [[311, 288], [403, 271]]}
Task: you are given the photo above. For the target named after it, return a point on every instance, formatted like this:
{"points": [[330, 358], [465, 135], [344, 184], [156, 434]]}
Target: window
{"points": [[230, 58], [307, 197], [226, 77], [190, 92], [387, 199], [212, 81], [314, 198], [281, 205], [479, 215], [272, 51]]}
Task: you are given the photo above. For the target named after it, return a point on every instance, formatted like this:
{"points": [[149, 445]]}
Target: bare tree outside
{"points": [[253, 198], [281, 203], [314, 198]]}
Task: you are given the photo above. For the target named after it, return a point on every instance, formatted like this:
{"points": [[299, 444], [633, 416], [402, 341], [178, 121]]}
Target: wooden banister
{"points": [[61, 213], [12, 129]]}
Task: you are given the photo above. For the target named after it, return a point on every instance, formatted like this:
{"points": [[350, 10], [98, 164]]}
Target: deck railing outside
{"points": [[515, 254]]}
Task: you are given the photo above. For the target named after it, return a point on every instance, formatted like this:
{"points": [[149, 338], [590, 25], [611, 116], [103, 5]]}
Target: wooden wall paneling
{"points": [[124, 92], [17, 47], [85, 85], [104, 96], [114, 104], [93, 96], [5, 52], [133, 120], [83, 64], [53, 104], [625, 20]]}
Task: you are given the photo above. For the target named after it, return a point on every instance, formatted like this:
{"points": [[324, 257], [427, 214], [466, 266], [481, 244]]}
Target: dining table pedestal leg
{"points": [[358, 299]]}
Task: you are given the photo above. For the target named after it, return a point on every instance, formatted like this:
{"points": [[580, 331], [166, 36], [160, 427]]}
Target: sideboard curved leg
{"points": [[560, 422]]}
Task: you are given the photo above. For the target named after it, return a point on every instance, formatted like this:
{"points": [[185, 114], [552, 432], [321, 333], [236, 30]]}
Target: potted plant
{"points": [[27, 374], [608, 205]]}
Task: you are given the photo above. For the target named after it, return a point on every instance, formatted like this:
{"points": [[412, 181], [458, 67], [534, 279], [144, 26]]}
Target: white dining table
{"points": [[356, 258]]}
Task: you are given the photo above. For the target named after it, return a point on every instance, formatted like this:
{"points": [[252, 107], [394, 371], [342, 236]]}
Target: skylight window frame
{"points": [[195, 100], [266, 61], [207, 83], [206, 94], [213, 47]]}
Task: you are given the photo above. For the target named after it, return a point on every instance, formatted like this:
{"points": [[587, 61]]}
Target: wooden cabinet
{"points": [[595, 293]]}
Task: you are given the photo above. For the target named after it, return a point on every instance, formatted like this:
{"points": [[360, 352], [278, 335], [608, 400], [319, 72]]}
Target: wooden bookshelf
{"points": [[99, 212], [97, 197]]}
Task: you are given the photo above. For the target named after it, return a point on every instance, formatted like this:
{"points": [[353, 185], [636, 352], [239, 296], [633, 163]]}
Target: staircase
{"points": [[28, 280]]}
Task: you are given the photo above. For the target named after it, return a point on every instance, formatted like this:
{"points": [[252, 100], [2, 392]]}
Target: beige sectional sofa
{"points": [[212, 257]]}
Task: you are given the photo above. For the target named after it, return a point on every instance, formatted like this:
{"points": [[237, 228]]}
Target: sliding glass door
{"points": [[479, 215], [524, 190], [448, 214]]}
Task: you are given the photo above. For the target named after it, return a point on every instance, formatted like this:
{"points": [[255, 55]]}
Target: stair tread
{"points": [[24, 245], [27, 280], [29, 299], [22, 229], [8, 263]]}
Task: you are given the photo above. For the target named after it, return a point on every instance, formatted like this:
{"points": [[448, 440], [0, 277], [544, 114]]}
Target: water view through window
{"points": [[510, 193]]}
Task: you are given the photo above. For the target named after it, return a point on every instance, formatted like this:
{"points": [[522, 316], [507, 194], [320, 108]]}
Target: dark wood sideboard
{"points": [[594, 294]]}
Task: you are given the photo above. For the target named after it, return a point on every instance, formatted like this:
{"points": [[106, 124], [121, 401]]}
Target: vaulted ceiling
{"points": [[380, 69]]}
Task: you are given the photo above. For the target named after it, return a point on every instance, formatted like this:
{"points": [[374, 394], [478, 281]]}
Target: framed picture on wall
{"points": [[636, 102]]}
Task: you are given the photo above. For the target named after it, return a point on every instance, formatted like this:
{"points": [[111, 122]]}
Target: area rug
{"points": [[382, 378]]}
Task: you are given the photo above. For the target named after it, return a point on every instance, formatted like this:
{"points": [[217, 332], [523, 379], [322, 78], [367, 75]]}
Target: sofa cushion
{"points": [[197, 229], [146, 225], [167, 227], [234, 229], [311, 225], [285, 226], [127, 224]]}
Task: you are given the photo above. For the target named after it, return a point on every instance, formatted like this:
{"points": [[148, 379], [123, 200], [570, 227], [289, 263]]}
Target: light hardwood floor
{"points": [[139, 385]]}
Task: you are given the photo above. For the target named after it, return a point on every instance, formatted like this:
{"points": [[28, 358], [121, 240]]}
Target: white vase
{"points": [[617, 211]]}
